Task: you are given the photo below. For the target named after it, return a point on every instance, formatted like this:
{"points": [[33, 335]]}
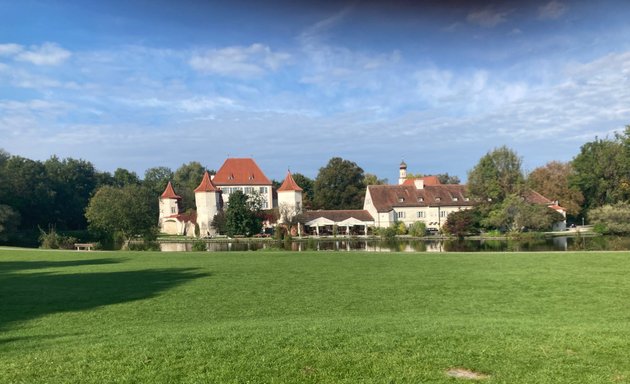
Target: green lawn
{"points": [[328, 317]]}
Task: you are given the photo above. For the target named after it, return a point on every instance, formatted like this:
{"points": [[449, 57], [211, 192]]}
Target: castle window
{"points": [[173, 210], [249, 190], [401, 215], [263, 189], [421, 214], [443, 213]]}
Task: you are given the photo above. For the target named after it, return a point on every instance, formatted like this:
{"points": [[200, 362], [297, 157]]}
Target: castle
{"points": [[423, 199], [236, 174]]}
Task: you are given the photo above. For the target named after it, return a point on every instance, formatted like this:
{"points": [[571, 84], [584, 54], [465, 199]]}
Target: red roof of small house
{"points": [[206, 184], [428, 180], [169, 193], [289, 184], [184, 217], [240, 171], [534, 197]]}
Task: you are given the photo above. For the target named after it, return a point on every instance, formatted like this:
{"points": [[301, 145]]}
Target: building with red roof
{"points": [[243, 174]]}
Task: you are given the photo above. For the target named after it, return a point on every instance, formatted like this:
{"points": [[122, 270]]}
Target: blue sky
{"points": [[137, 84]]}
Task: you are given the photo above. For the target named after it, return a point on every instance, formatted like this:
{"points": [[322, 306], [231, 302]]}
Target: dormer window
{"points": [[251, 177], [401, 199], [455, 199], [438, 199], [466, 199], [231, 177], [420, 199]]}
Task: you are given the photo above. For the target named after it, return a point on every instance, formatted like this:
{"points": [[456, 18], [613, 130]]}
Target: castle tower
{"points": [[289, 197], [169, 205], [402, 173], [208, 201]]}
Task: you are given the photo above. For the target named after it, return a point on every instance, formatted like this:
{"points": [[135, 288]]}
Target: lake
{"points": [[598, 243]]}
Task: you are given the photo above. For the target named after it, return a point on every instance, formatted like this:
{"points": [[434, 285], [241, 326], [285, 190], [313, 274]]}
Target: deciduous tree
{"points": [[339, 185], [130, 211], [185, 180], [553, 182], [497, 175], [242, 216]]}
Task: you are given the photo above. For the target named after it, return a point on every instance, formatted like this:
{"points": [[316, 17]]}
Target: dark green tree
{"points": [[242, 216], [130, 211], [185, 180], [372, 179], [339, 185], [306, 183], [463, 223], [602, 171], [514, 215], [25, 187], [445, 178], [497, 175], [123, 177], [156, 178], [9, 221], [74, 182]]}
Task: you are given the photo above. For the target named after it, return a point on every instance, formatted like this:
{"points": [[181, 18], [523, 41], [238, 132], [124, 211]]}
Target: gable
{"points": [[240, 171]]}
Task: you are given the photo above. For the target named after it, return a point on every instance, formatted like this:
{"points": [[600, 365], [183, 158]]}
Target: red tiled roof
{"points": [[183, 217], [206, 184], [534, 197], [338, 215], [386, 197], [169, 193], [428, 180], [240, 171], [289, 184]]}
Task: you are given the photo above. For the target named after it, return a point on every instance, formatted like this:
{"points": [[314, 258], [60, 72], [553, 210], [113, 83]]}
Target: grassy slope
{"points": [[69, 317]]}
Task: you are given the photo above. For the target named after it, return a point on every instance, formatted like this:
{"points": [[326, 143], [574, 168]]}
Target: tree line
{"points": [[56, 193]]}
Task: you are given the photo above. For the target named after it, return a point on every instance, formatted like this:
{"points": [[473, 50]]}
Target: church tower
{"points": [[402, 173], [208, 201], [169, 204], [289, 197]]}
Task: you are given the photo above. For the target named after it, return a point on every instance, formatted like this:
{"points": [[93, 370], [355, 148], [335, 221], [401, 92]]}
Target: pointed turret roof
{"points": [[169, 193], [289, 184], [206, 184]]}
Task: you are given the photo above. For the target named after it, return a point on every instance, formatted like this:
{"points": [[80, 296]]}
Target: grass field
{"points": [[265, 317]]}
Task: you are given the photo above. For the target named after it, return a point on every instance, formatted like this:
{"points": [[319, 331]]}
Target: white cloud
{"points": [[45, 54], [239, 61], [9, 49], [552, 10], [487, 18]]}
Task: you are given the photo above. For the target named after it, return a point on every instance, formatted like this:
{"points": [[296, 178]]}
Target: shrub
{"points": [[199, 246], [401, 229], [418, 229]]}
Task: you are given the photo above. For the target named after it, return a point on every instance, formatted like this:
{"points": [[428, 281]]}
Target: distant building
{"points": [[243, 174], [422, 199], [171, 220]]}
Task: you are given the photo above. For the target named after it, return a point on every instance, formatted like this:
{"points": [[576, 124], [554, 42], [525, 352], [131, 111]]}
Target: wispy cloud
{"points": [[239, 61], [10, 49], [552, 10], [45, 54], [487, 18]]}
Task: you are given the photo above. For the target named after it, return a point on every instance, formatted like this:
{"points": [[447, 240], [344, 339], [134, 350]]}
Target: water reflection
{"points": [[484, 245]]}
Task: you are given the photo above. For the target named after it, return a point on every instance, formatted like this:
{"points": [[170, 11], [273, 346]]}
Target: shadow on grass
{"points": [[10, 266], [25, 296]]}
